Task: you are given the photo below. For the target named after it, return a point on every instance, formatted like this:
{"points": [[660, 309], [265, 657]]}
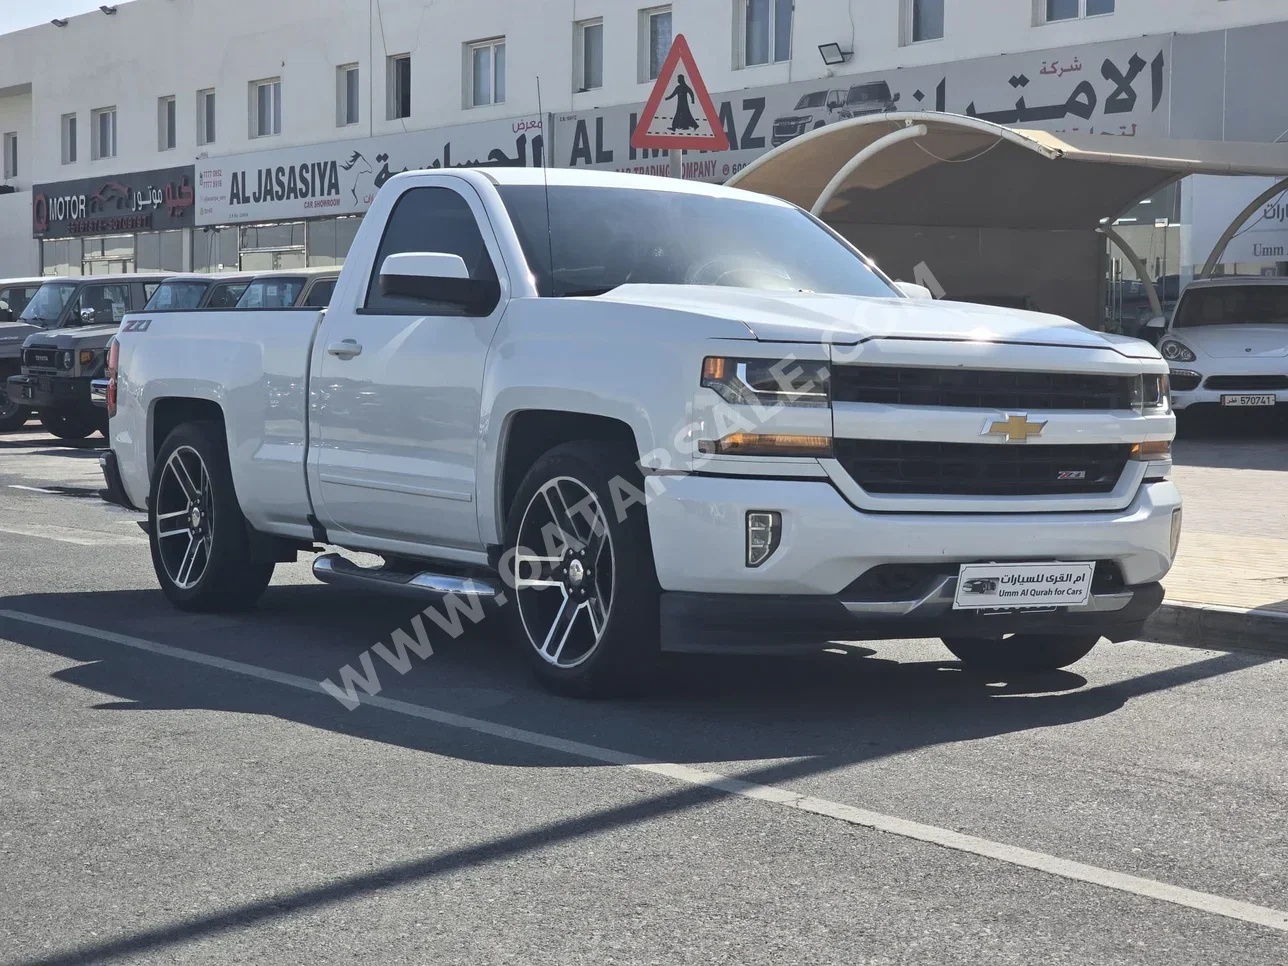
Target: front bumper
{"points": [[698, 530], [49, 391]]}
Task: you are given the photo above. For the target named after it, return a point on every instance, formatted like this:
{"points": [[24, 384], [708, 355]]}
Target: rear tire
{"points": [[585, 605], [201, 543], [1021, 652], [69, 423]]}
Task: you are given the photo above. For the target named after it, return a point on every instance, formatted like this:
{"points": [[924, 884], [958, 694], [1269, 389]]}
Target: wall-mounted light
{"points": [[58, 23], [106, 9], [833, 55]]}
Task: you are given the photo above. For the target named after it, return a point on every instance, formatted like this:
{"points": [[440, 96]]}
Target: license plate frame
{"points": [[1005, 587], [1248, 400]]}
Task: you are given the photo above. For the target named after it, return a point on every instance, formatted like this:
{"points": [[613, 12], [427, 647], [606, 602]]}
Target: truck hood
{"points": [[847, 319], [1235, 341], [77, 337]]}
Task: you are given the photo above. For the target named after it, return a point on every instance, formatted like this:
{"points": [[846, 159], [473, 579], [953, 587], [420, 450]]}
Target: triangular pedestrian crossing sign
{"points": [[679, 112]]}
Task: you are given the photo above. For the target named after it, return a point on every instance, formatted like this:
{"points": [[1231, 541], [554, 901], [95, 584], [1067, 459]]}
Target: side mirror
{"points": [[87, 316], [440, 279], [6, 315], [914, 291], [895, 99]]}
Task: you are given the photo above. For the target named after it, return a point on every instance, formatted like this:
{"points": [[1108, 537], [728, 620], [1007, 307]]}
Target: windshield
{"points": [[271, 293], [605, 237], [177, 295], [49, 302], [1234, 305], [869, 92], [812, 100]]}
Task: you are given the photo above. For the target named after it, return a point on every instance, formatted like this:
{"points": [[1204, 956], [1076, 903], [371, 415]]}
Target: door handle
{"points": [[345, 350]]}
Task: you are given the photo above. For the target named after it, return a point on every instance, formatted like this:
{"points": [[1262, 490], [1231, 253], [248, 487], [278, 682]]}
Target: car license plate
{"points": [[1016, 586], [1261, 399]]}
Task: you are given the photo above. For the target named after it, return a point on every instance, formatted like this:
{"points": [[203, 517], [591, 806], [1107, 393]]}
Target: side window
{"points": [[16, 299], [430, 220], [271, 293], [109, 302], [320, 296], [149, 289], [226, 296]]}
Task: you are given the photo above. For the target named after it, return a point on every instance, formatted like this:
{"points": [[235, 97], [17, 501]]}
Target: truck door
{"points": [[398, 382]]}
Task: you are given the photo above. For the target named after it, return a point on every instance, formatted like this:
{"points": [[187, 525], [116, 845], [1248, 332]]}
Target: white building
{"points": [[148, 130]]}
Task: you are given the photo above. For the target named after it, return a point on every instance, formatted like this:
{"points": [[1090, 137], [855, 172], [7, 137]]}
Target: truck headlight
{"points": [[66, 359], [767, 382], [1149, 394], [86, 356], [1174, 351]]}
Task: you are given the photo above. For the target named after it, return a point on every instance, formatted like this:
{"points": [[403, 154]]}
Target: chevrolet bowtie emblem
{"points": [[1016, 429]]}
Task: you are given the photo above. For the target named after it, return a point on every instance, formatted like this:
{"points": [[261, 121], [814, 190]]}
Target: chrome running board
{"points": [[331, 568]]}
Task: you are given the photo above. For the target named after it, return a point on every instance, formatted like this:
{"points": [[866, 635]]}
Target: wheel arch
{"points": [[169, 412], [531, 432]]}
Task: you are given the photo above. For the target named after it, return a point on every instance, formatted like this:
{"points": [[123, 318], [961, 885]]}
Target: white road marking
{"points": [[33, 489], [74, 535], [1010, 854]]}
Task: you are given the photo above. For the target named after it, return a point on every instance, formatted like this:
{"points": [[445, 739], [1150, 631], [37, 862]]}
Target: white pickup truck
{"points": [[646, 415]]}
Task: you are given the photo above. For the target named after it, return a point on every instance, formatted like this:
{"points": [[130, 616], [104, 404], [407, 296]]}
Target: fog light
{"points": [[764, 530], [86, 356], [1176, 531]]}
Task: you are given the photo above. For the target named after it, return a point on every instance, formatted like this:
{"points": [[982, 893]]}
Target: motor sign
{"points": [[679, 113]]}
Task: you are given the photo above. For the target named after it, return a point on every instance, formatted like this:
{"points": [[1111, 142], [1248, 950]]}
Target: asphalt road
{"points": [[176, 789]]}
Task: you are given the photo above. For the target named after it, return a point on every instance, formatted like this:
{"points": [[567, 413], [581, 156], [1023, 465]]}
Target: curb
{"points": [[1219, 628]]}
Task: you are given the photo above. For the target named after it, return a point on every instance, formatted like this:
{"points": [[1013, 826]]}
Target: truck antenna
{"points": [[545, 179]]}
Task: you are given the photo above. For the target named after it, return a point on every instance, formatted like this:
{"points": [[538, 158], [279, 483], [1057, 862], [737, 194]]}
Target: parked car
{"points": [[813, 111], [1227, 344], [15, 293], [873, 97], [75, 318], [180, 293], [286, 289], [647, 414]]}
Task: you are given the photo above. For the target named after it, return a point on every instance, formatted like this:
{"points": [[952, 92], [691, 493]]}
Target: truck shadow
{"points": [[838, 709], [822, 714]]}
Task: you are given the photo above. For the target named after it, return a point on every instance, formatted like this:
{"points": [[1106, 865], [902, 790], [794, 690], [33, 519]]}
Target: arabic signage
{"points": [[342, 178], [117, 204], [1214, 200], [1119, 88]]}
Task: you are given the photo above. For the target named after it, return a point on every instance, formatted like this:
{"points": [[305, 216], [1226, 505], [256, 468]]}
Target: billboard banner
{"points": [[114, 204], [342, 177], [1118, 88]]}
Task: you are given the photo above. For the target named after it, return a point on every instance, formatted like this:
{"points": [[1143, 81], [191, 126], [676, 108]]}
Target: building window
{"points": [[923, 20], [398, 86], [346, 95], [1054, 10], [589, 54], [767, 31], [166, 124], [11, 155], [68, 126], [103, 122], [206, 117], [487, 72], [266, 107], [655, 41]]}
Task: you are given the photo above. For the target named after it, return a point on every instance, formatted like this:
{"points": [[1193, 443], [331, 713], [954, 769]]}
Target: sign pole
{"points": [[676, 170]]}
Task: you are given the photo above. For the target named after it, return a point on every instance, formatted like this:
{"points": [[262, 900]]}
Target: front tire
{"points": [[69, 423], [1021, 652], [201, 543], [586, 598], [12, 414]]}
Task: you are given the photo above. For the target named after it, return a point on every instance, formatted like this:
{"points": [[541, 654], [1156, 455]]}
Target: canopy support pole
{"points": [[1238, 223], [847, 169], [1155, 304]]}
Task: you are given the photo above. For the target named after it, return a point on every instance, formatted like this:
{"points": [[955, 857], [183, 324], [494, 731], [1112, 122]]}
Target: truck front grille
{"points": [[1246, 383], [981, 388], [981, 469], [40, 357]]}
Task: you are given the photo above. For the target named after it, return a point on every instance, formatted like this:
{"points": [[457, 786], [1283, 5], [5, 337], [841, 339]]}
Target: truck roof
{"points": [[607, 179], [6, 282], [1226, 281], [209, 277], [131, 277]]}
